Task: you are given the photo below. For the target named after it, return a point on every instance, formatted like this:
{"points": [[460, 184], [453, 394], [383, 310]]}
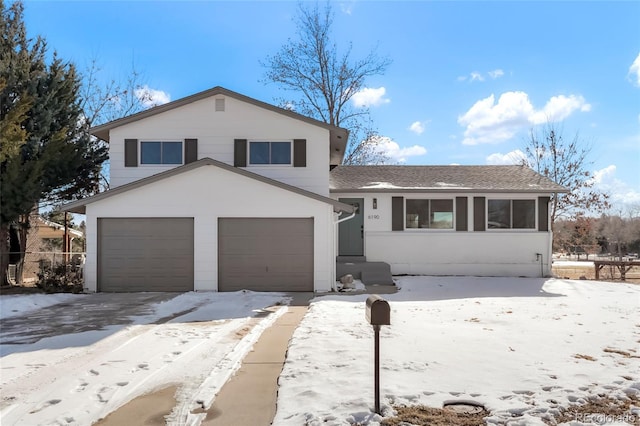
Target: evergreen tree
{"points": [[46, 154]]}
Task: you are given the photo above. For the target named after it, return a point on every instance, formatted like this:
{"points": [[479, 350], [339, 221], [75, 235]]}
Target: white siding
{"points": [[461, 253], [191, 194], [450, 252], [216, 132]]}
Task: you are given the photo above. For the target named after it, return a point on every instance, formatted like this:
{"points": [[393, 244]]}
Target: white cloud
{"points": [[497, 73], [488, 121], [620, 193], [560, 107], [418, 127], [510, 158], [152, 97], [634, 72], [478, 76], [346, 8], [370, 97], [391, 149]]}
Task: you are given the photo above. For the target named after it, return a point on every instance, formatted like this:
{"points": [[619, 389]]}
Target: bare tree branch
{"points": [[324, 80], [564, 161]]}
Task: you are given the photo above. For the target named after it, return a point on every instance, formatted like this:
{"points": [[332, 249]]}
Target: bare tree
{"points": [[325, 80], [564, 161], [104, 101]]}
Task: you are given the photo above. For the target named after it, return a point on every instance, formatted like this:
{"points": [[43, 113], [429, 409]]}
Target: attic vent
{"points": [[219, 104]]}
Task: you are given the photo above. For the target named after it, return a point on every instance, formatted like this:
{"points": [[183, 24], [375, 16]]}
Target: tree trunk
{"points": [[4, 253], [23, 232]]}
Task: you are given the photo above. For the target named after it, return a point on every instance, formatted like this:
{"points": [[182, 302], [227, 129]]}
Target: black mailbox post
{"points": [[378, 313]]}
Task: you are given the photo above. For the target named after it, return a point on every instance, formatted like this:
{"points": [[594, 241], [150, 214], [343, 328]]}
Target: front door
{"points": [[351, 232]]}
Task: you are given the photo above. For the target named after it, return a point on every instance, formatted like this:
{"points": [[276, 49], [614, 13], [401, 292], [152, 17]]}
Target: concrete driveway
{"points": [[91, 312]]}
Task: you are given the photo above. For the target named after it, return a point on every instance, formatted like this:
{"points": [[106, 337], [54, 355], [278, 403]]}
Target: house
{"points": [[216, 191], [219, 191], [447, 220]]}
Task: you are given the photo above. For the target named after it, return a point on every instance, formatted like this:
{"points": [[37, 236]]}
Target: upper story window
{"points": [[429, 214], [160, 152], [511, 214], [269, 153]]}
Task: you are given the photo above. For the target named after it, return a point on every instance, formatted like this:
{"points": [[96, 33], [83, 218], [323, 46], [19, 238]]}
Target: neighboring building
{"points": [[218, 191], [44, 249]]}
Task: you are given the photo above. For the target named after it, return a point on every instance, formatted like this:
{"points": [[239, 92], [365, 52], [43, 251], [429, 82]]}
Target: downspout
{"points": [[344, 219], [540, 257]]}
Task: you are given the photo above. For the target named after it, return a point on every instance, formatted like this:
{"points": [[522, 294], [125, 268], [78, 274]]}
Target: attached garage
{"points": [[265, 254], [145, 254]]}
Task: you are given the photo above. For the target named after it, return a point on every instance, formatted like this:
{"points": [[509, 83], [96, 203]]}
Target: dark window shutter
{"points": [[190, 150], [479, 222], [397, 213], [543, 214], [240, 152], [131, 152], [299, 153], [461, 214]]}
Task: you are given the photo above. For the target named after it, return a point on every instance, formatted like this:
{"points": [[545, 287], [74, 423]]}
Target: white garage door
{"points": [[265, 254], [145, 254]]}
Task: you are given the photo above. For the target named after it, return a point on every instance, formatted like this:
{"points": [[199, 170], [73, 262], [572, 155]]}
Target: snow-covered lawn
{"points": [[518, 346]]}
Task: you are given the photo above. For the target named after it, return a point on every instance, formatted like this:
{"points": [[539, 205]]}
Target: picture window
{"points": [[429, 214], [511, 214]]}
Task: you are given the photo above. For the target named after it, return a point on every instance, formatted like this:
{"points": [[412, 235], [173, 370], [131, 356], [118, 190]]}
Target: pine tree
{"points": [[46, 154]]}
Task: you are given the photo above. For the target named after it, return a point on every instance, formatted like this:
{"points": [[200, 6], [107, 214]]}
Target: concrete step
{"points": [[367, 272], [351, 259], [377, 273]]}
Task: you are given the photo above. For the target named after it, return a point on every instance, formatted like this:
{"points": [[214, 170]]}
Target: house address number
{"points": [[373, 217]]}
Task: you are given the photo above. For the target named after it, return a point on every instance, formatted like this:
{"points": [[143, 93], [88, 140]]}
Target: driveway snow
{"points": [[194, 340], [520, 347]]}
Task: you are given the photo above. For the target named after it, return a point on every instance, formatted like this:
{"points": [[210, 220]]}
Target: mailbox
{"points": [[378, 311]]}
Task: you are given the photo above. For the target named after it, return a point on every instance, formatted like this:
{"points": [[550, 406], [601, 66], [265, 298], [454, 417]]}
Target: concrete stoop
{"points": [[370, 273]]}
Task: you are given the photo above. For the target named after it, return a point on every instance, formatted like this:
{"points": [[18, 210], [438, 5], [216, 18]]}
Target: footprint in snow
{"points": [[46, 404], [523, 392], [82, 386]]}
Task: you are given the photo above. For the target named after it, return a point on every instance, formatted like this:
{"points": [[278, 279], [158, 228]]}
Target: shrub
{"points": [[60, 279]]}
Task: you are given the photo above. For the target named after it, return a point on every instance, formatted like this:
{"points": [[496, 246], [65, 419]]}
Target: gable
{"points": [[194, 186], [221, 101]]}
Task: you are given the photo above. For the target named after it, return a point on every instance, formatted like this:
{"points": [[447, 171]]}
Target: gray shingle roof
{"points": [[440, 179]]}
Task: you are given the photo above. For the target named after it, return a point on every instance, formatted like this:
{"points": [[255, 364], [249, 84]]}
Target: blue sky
{"points": [[467, 82]]}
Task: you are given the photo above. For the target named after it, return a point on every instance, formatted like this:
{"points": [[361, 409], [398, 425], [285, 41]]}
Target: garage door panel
{"points": [[145, 254], [265, 254]]}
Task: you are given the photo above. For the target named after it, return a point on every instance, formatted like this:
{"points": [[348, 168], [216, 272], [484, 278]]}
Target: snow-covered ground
{"points": [[98, 371], [518, 346]]}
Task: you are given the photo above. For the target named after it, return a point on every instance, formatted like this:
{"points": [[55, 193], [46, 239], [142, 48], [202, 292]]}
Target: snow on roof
{"points": [[440, 179]]}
